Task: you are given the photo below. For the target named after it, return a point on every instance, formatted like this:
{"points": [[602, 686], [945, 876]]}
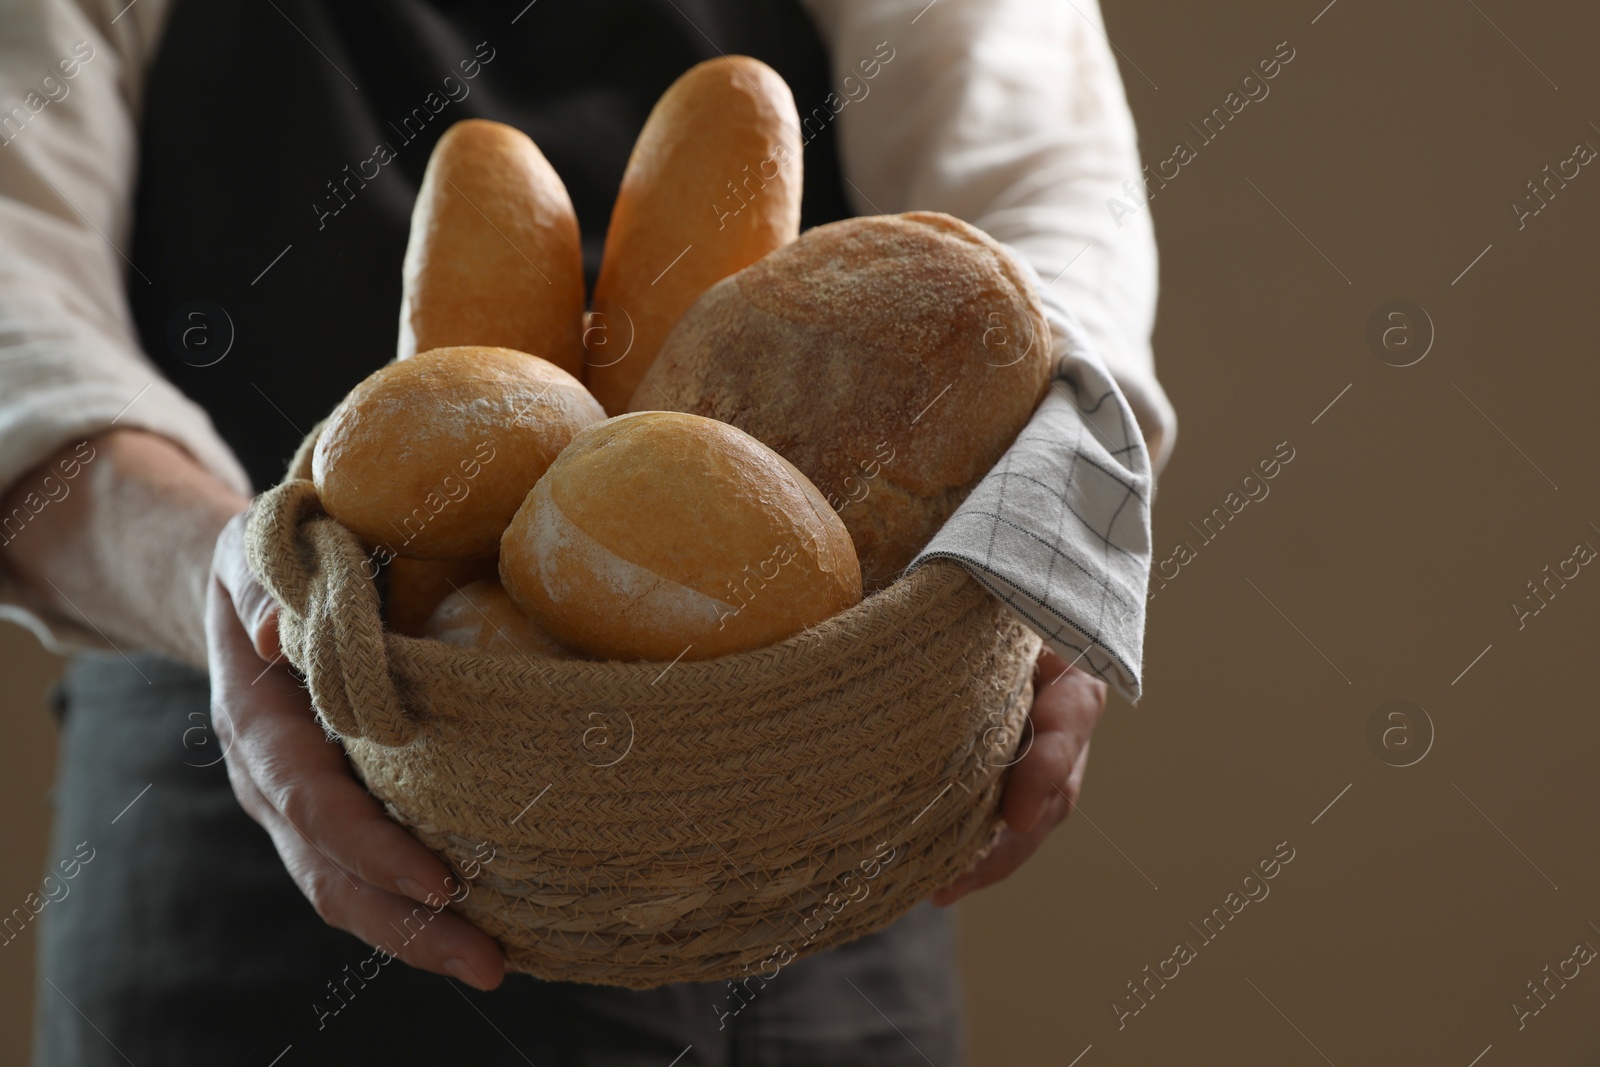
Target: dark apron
{"points": [[267, 284], [255, 146]]}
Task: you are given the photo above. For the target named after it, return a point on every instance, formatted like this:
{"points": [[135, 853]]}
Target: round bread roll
{"points": [[430, 457], [416, 586], [712, 185], [481, 615], [892, 358], [660, 535], [493, 257]]}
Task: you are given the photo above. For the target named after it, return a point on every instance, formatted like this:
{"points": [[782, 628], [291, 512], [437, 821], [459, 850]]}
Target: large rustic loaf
{"points": [[893, 359]]}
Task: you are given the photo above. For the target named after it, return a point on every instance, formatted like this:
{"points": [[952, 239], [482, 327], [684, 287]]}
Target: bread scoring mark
{"points": [[462, 632], [482, 615], [460, 618], [573, 566]]}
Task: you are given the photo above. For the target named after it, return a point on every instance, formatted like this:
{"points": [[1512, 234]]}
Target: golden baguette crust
{"points": [[430, 457], [494, 257], [658, 535], [892, 359], [715, 179]]}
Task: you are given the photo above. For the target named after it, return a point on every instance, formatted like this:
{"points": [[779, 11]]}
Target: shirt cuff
{"points": [[68, 399]]}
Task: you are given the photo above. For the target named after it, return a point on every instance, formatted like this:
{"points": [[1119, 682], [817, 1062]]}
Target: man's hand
{"points": [[362, 872], [124, 547], [1043, 785]]}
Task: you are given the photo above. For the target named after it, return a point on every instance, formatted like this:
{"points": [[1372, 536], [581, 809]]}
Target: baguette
{"points": [[493, 257], [713, 184]]}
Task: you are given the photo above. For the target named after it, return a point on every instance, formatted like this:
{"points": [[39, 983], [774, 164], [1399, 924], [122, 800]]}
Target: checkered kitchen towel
{"points": [[1059, 530]]}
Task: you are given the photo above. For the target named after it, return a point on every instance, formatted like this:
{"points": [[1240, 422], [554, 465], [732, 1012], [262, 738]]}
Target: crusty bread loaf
{"points": [[893, 359], [660, 535], [493, 258], [713, 185], [481, 615], [416, 586], [430, 457]]}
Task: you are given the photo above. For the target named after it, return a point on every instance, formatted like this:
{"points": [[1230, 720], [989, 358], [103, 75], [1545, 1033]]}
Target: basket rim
{"points": [[930, 580]]}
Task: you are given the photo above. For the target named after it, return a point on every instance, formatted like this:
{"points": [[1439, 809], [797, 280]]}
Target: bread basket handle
{"points": [[330, 624]]}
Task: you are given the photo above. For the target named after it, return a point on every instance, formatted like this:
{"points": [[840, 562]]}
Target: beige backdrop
{"points": [[1381, 565]]}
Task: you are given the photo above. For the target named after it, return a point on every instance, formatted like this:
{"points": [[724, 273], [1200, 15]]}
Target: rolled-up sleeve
{"points": [[1009, 114], [71, 365]]}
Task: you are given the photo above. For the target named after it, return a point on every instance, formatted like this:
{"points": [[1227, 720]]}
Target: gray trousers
{"points": [[182, 940]]}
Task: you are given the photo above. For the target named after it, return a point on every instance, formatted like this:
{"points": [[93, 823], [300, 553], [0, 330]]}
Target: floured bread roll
{"points": [[659, 535], [429, 457], [481, 615], [892, 358], [712, 185], [493, 258]]}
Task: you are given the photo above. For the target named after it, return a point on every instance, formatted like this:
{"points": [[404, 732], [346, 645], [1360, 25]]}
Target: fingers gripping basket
{"points": [[649, 823]]}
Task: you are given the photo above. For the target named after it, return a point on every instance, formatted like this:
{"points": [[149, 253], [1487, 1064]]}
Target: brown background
{"points": [[1383, 561]]}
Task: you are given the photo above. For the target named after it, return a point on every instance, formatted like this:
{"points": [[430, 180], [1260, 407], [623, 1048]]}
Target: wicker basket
{"points": [[635, 824]]}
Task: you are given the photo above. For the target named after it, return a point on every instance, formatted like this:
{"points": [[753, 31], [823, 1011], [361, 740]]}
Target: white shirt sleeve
{"points": [[71, 79], [1009, 114]]}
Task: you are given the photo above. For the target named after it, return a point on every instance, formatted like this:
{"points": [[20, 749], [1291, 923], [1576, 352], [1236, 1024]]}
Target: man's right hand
{"points": [[361, 871]]}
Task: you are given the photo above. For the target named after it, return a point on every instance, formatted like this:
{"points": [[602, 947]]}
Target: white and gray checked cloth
{"points": [[1059, 529]]}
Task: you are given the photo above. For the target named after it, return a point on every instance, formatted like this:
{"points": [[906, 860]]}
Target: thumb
{"points": [[257, 611]]}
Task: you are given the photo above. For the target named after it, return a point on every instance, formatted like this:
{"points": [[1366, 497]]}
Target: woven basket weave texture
{"points": [[635, 824]]}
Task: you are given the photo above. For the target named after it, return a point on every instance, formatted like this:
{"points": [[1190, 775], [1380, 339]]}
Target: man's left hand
{"points": [[1042, 787]]}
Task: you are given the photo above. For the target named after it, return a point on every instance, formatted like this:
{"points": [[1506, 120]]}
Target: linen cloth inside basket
{"points": [[1059, 529]]}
